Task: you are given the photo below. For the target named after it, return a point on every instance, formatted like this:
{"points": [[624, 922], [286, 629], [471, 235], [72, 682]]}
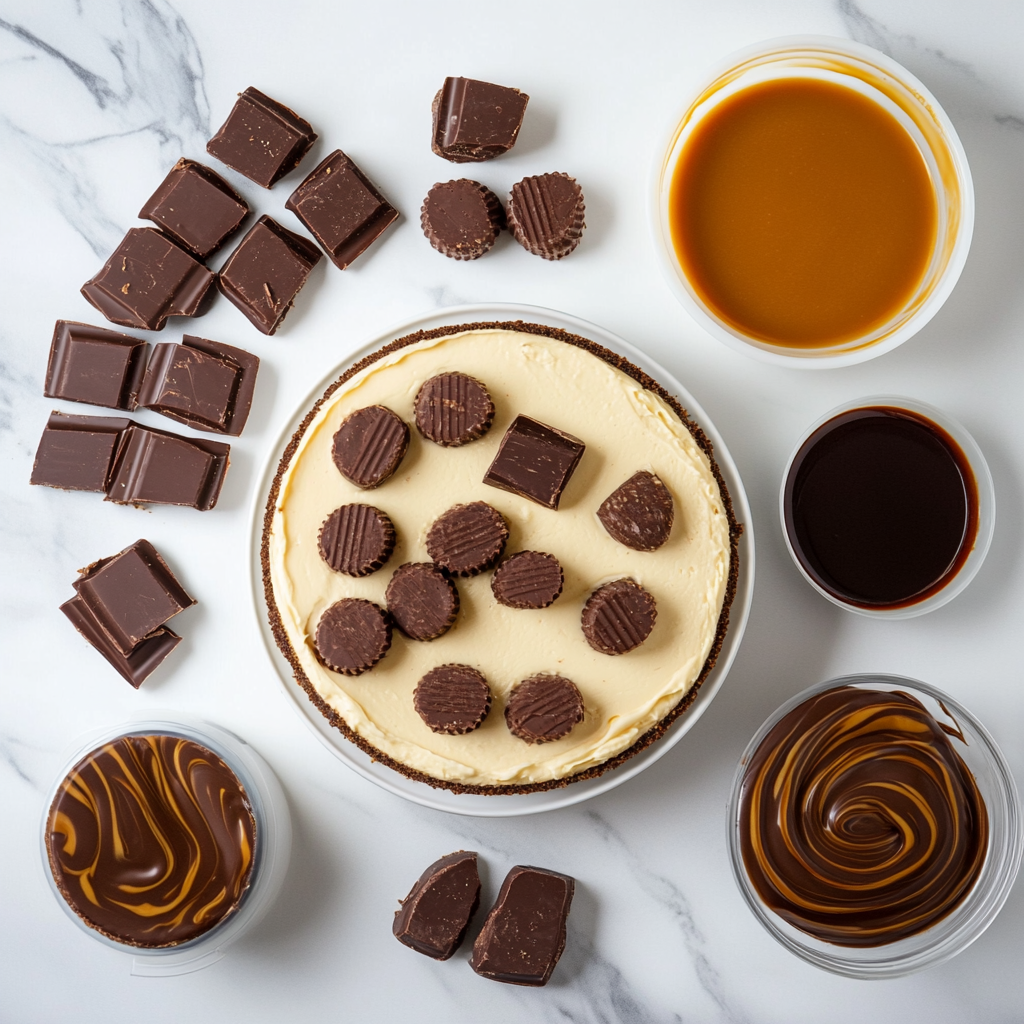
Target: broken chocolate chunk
{"points": [[369, 445], [453, 409], [639, 513], [196, 207], [462, 218], [352, 636], [261, 138], [356, 539], [618, 617], [452, 699], [524, 933], [535, 461], [528, 579], [94, 365], [474, 121], [205, 384], [344, 211], [266, 271], [544, 708], [77, 452], [436, 913], [545, 214], [147, 279], [167, 469], [467, 539], [422, 600]]}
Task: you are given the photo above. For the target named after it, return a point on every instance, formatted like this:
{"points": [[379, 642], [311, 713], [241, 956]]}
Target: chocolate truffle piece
{"points": [[261, 138], [528, 579], [369, 445], [167, 469], [422, 600], [77, 452], [436, 913], [94, 365], [266, 271], [352, 636], [639, 513], [196, 207], [452, 699], [535, 461], [467, 539], [545, 214], [453, 409], [462, 218], [356, 539], [543, 708], [147, 279], [524, 933], [474, 121], [618, 617], [344, 211]]}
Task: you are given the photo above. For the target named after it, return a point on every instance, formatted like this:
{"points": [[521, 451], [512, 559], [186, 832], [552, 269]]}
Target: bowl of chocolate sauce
{"points": [[887, 507]]}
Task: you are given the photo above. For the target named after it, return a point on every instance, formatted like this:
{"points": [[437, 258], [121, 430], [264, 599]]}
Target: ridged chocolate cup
{"points": [[546, 214], [462, 218]]}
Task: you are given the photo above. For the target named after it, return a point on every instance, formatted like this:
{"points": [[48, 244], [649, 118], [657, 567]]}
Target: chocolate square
{"points": [[147, 279], [261, 138], [76, 452], [535, 461], [342, 208], [265, 272], [94, 365], [475, 120], [196, 207]]}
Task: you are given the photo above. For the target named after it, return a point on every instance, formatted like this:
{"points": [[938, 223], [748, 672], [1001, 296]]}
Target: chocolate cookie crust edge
{"points": [[613, 359]]}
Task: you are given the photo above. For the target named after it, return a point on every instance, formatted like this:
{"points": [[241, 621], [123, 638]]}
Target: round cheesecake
{"points": [[626, 424]]}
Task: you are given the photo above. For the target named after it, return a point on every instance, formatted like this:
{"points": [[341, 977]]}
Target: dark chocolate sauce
{"points": [[881, 507]]}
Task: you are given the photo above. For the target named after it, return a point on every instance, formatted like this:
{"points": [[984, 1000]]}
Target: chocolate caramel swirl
{"points": [[859, 822], [151, 840]]}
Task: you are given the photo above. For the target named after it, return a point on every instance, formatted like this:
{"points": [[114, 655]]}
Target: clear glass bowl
{"points": [[951, 934]]}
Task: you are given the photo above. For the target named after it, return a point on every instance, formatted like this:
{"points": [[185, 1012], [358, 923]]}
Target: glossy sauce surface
{"points": [[803, 213]]}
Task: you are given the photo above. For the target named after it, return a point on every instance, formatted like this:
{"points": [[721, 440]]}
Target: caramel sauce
{"points": [[803, 213]]}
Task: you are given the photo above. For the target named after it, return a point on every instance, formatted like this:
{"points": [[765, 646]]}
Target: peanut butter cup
{"points": [[544, 708], [618, 617], [352, 636], [528, 579], [453, 409], [638, 514], [467, 539], [461, 218], [452, 699], [356, 539], [369, 445], [422, 600], [545, 214]]}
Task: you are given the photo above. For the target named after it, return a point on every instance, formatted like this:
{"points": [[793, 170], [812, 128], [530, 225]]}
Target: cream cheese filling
{"points": [[625, 429]]}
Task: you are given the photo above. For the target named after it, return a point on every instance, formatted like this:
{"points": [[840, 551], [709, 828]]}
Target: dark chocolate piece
{"points": [[544, 708], [261, 138], [77, 452], [356, 539], [639, 513], [618, 617], [205, 384], [452, 699], [266, 271], [147, 279], [341, 207], [474, 121], [524, 933], [352, 636], [453, 409], [462, 218], [196, 207], [167, 469], [131, 594], [545, 214], [422, 600], [528, 579], [436, 913], [369, 445], [467, 539], [94, 365], [535, 461]]}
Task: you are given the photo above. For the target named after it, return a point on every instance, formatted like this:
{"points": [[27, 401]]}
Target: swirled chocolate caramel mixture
{"points": [[151, 840], [859, 822]]}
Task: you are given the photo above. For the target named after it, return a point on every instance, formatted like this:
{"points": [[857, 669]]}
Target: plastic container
{"points": [[270, 855], [881, 79]]}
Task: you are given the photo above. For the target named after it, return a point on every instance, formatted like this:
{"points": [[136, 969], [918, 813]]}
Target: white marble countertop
{"points": [[98, 98]]}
